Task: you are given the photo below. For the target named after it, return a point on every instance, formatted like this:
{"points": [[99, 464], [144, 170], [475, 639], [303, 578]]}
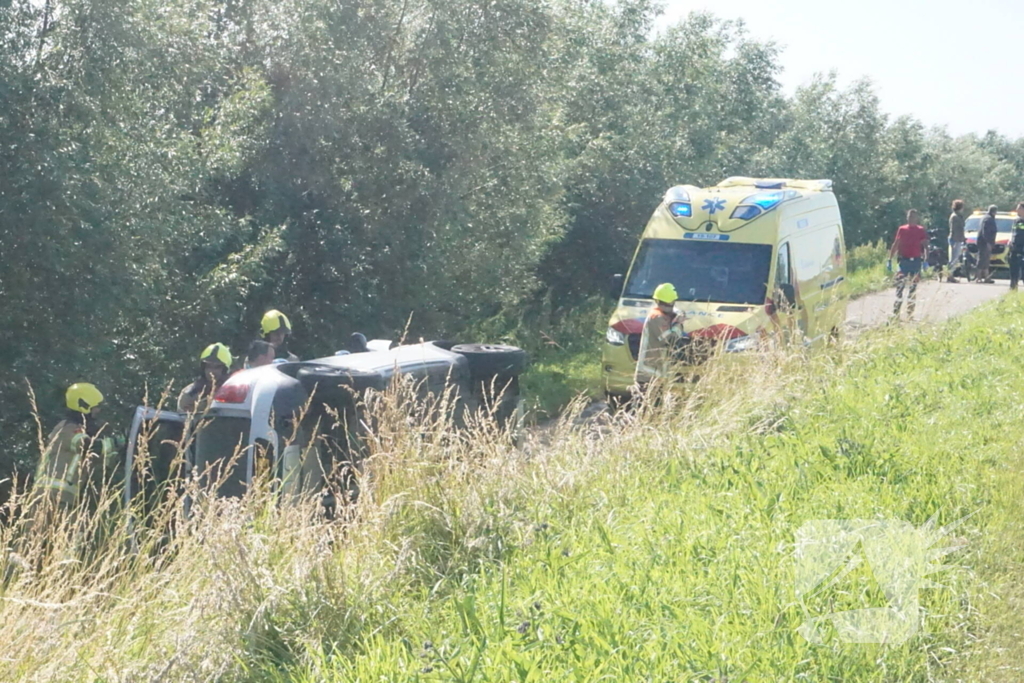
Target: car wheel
{"points": [[491, 360]]}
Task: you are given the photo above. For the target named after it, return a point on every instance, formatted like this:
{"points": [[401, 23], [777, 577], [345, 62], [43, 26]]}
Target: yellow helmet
{"points": [[83, 397], [666, 293], [218, 352], [275, 320]]}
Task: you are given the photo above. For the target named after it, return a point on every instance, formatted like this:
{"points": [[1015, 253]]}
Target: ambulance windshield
{"points": [[720, 272]]}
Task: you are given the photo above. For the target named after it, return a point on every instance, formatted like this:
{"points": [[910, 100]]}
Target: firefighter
{"points": [[661, 329], [77, 451], [214, 368], [276, 329]]}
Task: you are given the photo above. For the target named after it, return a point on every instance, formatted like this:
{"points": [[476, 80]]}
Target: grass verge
{"points": [[650, 547]]}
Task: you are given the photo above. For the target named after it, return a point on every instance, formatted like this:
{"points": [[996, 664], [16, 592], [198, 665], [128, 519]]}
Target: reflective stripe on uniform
{"points": [[59, 484]]}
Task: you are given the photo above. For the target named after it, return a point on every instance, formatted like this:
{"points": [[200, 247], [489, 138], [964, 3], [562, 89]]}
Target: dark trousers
{"points": [[984, 256], [1016, 268]]}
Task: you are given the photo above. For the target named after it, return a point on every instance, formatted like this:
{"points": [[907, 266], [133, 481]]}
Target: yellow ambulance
{"points": [[750, 258]]}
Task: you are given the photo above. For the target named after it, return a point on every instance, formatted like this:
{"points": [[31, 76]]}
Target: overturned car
{"points": [[299, 424]]}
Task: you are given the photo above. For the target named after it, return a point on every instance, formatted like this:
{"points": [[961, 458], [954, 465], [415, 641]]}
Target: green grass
{"points": [[656, 547], [674, 562]]}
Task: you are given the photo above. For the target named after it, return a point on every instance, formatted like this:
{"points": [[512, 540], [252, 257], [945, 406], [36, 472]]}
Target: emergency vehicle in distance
{"points": [[749, 258], [1001, 249]]}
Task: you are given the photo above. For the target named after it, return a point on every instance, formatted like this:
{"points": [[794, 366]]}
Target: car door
{"points": [[158, 456]]}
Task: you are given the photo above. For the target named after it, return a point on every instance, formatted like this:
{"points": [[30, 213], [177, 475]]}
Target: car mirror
{"points": [[615, 286]]}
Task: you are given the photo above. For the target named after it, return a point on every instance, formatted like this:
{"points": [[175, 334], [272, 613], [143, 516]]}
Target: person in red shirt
{"points": [[910, 245]]}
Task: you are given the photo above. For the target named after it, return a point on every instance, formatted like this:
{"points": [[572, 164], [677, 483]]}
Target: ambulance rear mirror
{"points": [[615, 286], [788, 293]]}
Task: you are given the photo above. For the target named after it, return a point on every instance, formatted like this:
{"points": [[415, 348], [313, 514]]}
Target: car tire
{"points": [[492, 360]]}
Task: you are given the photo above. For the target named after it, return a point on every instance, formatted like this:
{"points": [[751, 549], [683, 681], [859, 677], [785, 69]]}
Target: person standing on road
{"points": [[909, 244], [957, 238], [276, 329], [1017, 249], [986, 240], [662, 327]]}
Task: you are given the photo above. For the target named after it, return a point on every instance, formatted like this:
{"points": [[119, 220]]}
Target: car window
{"points": [[218, 440], [782, 273], [156, 460]]}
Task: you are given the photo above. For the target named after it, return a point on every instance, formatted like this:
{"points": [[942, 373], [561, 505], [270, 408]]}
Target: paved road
{"points": [[936, 302]]}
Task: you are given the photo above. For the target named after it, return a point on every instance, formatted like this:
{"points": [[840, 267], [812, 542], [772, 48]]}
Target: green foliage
{"points": [[169, 169]]}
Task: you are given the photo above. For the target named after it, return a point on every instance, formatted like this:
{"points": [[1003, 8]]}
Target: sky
{"points": [[947, 62]]}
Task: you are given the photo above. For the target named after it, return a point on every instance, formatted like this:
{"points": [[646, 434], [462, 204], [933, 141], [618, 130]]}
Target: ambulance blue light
{"points": [[765, 200], [681, 209]]}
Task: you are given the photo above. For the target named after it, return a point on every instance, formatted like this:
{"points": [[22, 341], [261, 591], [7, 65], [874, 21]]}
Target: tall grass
{"points": [[647, 546]]}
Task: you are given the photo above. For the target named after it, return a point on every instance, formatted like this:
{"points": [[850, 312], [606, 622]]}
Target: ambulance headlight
{"points": [[614, 337], [747, 343], [746, 212], [762, 202]]}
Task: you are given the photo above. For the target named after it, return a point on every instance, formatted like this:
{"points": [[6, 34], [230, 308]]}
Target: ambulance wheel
{"points": [[617, 402]]}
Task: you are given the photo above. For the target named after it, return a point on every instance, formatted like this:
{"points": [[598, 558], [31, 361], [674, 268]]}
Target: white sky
{"points": [[946, 62]]}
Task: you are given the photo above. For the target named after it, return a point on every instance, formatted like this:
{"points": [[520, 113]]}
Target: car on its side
{"points": [[300, 423]]}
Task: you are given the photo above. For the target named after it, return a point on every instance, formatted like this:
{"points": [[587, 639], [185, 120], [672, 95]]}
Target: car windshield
{"points": [[218, 440], [722, 272], [1002, 224]]}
